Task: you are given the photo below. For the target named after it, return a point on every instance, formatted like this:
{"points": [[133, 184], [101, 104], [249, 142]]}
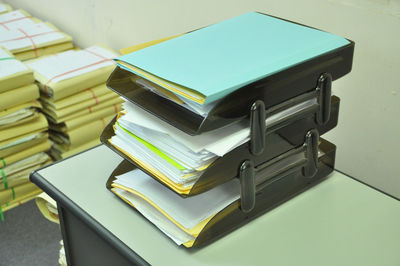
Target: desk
{"points": [[337, 222]]}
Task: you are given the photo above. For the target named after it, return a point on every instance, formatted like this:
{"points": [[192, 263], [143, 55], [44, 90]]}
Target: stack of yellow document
{"points": [[4, 8], [75, 98], [181, 219], [23, 131], [28, 37]]}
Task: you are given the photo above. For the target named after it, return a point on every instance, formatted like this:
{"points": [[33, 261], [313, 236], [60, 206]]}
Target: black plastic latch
{"points": [[311, 153], [324, 88], [247, 186], [257, 128]]}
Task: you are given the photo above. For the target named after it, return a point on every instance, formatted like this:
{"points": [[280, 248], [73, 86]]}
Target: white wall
{"points": [[369, 126]]}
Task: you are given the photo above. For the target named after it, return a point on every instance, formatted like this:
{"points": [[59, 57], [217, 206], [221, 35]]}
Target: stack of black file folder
{"points": [[266, 101]]}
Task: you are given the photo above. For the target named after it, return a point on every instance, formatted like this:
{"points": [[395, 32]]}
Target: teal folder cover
{"points": [[221, 58]]}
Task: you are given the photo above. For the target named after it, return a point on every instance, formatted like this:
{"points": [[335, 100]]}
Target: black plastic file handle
{"points": [[258, 114], [253, 178]]}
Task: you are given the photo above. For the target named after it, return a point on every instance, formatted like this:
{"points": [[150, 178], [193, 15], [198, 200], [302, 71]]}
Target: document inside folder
{"points": [[176, 158], [190, 215]]}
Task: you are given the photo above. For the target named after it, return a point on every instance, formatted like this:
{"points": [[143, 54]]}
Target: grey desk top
{"points": [[338, 222]]}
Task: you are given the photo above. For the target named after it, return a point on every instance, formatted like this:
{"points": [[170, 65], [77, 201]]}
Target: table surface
{"points": [[337, 222]]}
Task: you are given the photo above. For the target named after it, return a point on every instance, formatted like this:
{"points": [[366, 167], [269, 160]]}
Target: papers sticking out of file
{"points": [[181, 219], [200, 109], [207, 64], [174, 157]]}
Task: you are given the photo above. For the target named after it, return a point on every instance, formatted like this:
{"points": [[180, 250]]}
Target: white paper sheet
{"points": [[14, 19], [27, 35], [219, 141], [72, 63], [186, 211], [170, 146], [10, 66], [156, 218], [2, 8], [143, 154]]}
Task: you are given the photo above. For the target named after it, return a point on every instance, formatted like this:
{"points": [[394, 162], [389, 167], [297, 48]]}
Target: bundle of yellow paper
{"points": [[75, 98], [23, 131], [28, 37]]}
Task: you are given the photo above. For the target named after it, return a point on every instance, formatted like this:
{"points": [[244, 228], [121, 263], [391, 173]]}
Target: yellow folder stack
{"points": [[23, 131], [74, 96], [28, 37]]}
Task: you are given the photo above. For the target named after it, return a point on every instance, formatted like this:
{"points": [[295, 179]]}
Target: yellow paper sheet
{"points": [[41, 147], [70, 110], [68, 87], [15, 80], [186, 244], [113, 102], [43, 201], [21, 176], [81, 120], [43, 51], [35, 104], [138, 47], [21, 52], [19, 116], [160, 176], [14, 140], [35, 125], [88, 94], [20, 200], [59, 152], [41, 137], [83, 134], [19, 191], [195, 231], [18, 96], [176, 88], [30, 118]]}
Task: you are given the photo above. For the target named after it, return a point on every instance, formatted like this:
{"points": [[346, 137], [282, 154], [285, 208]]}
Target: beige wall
{"points": [[369, 126]]}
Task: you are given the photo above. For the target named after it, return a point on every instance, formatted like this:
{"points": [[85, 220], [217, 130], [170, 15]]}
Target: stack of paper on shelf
{"points": [[182, 219], [75, 98], [4, 8], [23, 131], [28, 37]]}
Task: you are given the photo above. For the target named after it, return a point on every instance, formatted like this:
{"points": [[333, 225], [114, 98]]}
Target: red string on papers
{"points": [[104, 122], [31, 39], [94, 96], [76, 69], [3, 23], [29, 36]]}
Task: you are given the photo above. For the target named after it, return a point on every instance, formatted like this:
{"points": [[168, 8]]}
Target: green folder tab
{"points": [[214, 61]]}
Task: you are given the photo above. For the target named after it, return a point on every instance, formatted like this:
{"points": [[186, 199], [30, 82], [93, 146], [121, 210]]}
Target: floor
{"points": [[27, 238]]}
